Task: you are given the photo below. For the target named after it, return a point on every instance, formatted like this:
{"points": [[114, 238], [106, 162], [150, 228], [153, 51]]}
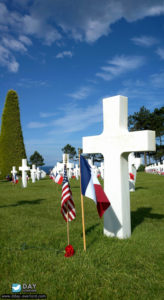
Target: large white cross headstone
{"points": [[115, 143], [24, 168], [33, 173]]}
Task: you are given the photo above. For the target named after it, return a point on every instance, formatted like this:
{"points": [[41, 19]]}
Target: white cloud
{"points": [[13, 44], [73, 119], [156, 10], [64, 53], [31, 25], [82, 93], [50, 21], [8, 60], [88, 20], [157, 80], [24, 39], [160, 52], [29, 83], [137, 83], [119, 65], [37, 125], [3, 13], [77, 119], [149, 91], [146, 41], [84, 20], [13, 66], [38, 27], [47, 115]]}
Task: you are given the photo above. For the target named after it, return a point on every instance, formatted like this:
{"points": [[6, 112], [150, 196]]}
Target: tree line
{"points": [[146, 120]]}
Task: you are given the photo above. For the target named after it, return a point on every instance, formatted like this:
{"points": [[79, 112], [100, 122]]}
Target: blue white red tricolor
{"points": [[14, 179], [91, 188], [67, 203]]}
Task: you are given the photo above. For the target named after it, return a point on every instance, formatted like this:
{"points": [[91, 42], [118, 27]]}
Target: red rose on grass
{"points": [[69, 251]]}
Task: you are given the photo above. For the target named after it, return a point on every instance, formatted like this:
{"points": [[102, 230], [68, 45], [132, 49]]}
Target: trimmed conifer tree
{"points": [[12, 148]]}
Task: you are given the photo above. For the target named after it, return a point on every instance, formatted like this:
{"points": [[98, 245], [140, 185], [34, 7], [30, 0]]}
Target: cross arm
{"points": [[139, 141]]}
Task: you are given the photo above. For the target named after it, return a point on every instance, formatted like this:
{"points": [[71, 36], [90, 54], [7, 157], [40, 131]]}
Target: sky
{"points": [[62, 57]]}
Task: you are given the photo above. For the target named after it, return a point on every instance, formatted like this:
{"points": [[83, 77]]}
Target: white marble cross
{"points": [[38, 173], [14, 171], [101, 168], [76, 171], [65, 158], [132, 182], [33, 173], [24, 168], [115, 143]]}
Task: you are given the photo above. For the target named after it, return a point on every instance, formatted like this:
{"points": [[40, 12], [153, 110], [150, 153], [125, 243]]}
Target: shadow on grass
{"points": [[24, 202], [140, 188], [88, 230], [138, 216], [76, 187], [4, 181]]}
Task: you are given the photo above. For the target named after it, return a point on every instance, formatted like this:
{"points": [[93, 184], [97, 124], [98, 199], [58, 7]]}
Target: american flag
{"points": [[67, 204]]}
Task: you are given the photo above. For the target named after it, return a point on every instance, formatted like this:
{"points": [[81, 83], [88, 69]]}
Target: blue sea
{"points": [[46, 169]]}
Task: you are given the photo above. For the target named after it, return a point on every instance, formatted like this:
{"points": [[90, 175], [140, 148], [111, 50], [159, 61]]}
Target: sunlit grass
{"points": [[34, 236]]}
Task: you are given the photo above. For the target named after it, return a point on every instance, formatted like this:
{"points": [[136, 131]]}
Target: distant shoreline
{"points": [[46, 168]]}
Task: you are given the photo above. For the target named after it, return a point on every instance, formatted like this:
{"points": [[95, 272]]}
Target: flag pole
{"points": [[67, 206], [82, 206], [67, 225], [65, 158]]}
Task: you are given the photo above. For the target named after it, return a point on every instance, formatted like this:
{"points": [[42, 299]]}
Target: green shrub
{"points": [[12, 148], [141, 168]]}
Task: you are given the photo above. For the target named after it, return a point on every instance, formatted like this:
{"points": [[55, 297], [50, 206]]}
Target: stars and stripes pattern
{"points": [[67, 204]]}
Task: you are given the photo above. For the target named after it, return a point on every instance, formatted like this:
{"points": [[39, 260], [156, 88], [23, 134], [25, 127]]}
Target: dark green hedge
{"points": [[12, 148]]}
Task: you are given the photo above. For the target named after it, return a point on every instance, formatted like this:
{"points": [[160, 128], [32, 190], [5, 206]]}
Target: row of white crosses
{"points": [[155, 168], [115, 144], [71, 170], [36, 173]]}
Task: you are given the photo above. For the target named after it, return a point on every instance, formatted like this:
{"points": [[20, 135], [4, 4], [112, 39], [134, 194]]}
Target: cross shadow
{"points": [[140, 188], [138, 216], [75, 187], [5, 181], [24, 202], [88, 230]]}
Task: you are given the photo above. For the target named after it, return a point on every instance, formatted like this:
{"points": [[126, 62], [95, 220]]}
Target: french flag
{"points": [[59, 179], [15, 179], [91, 188]]}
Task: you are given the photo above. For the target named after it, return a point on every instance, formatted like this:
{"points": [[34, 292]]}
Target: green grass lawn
{"points": [[33, 238]]}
